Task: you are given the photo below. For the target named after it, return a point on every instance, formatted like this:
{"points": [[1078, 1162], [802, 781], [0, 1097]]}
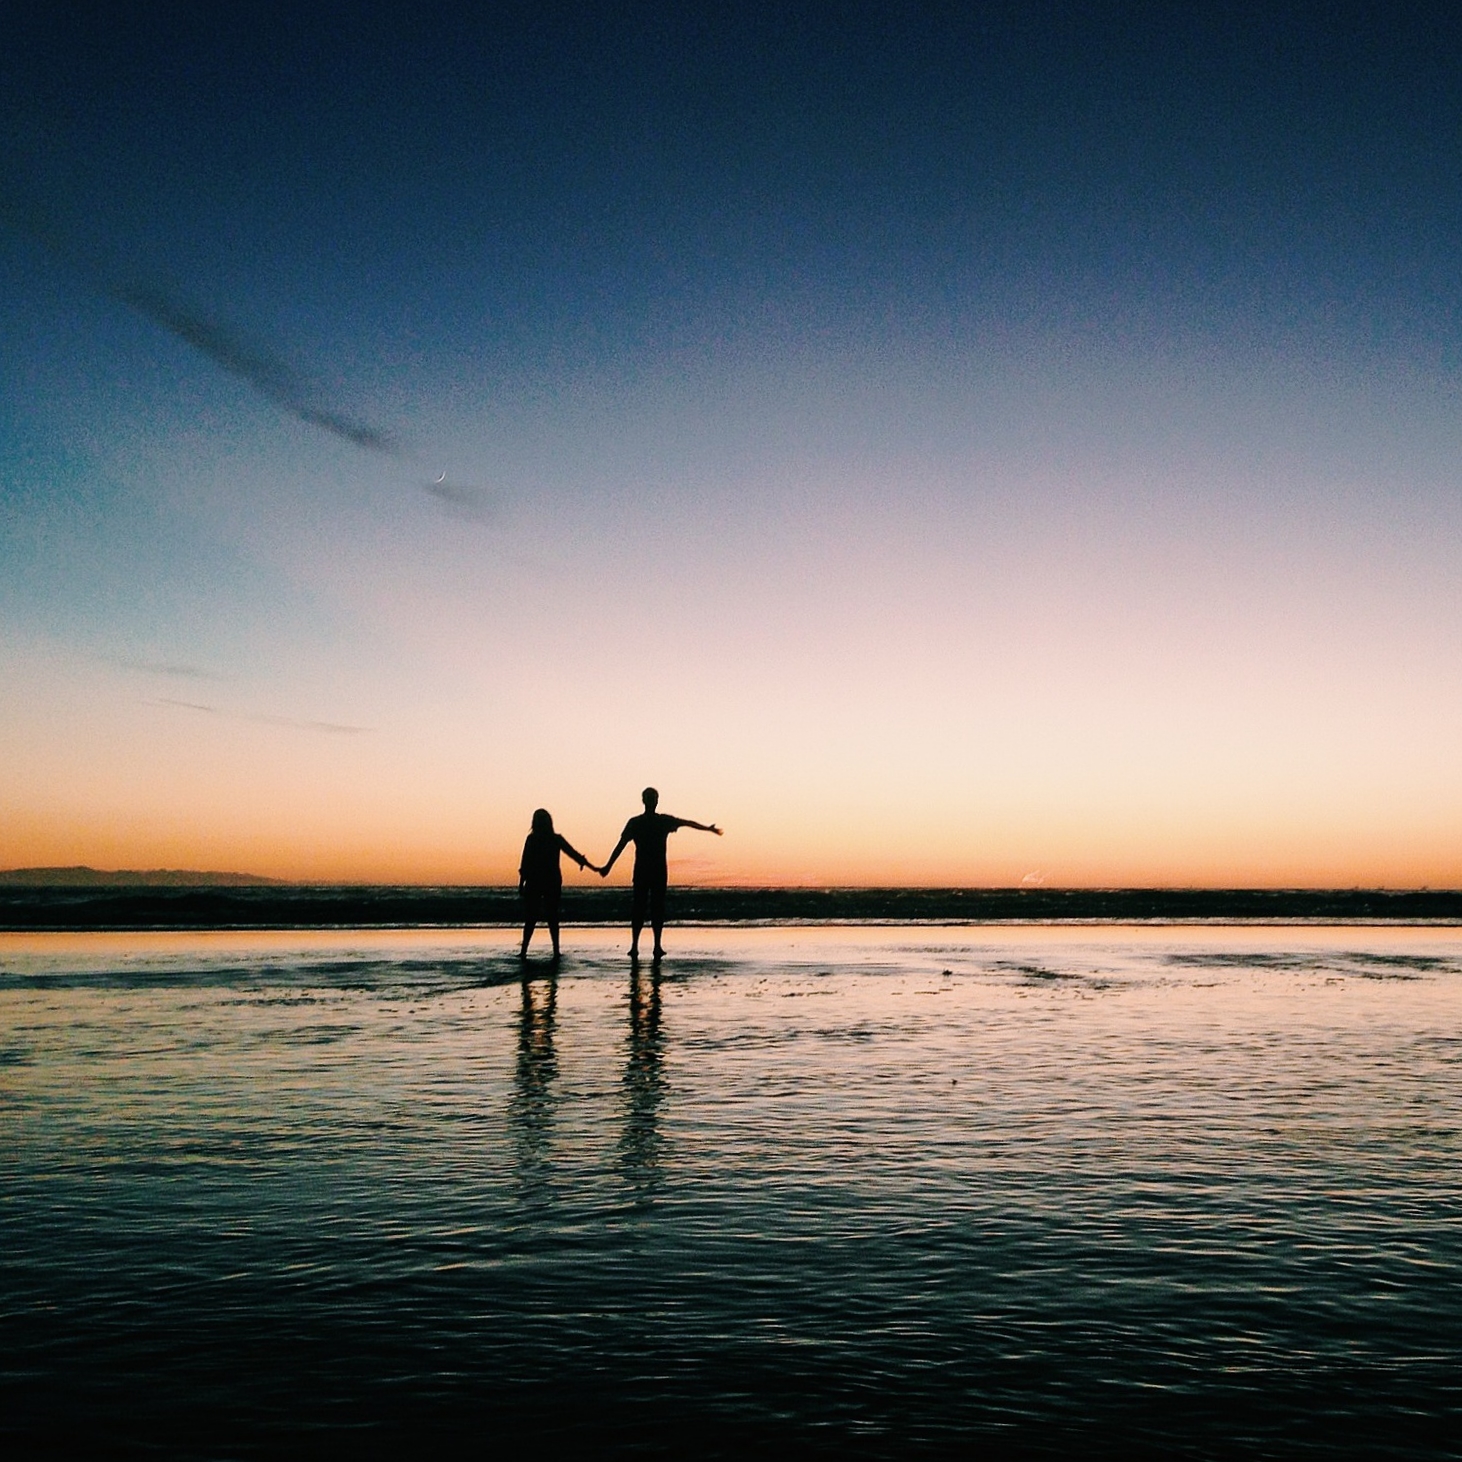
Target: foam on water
{"points": [[1189, 1192]]}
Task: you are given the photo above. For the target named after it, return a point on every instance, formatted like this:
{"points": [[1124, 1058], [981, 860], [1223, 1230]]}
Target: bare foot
{"points": [[658, 953]]}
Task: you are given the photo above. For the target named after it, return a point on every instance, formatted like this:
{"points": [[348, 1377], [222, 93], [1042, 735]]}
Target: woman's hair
{"points": [[542, 821]]}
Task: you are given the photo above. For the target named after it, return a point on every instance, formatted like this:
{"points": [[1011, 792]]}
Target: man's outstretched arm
{"points": [[704, 827]]}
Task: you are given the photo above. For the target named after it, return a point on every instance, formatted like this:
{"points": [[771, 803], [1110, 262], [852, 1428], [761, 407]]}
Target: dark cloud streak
{"points": [[328, 728], [176, 672], [462, 500], [23, 211], [270, 376]]}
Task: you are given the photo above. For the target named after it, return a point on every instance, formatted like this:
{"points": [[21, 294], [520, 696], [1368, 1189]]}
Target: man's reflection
{"points": [[532, 1103], [644, 1081]]}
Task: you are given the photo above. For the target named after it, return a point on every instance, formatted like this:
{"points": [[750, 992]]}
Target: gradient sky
{"points": [[943, 445]]}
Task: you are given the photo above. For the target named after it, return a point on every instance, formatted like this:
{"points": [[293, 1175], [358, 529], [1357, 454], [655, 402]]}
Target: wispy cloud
{"points": [[462, 500], [168, 668], [327, 728], [268, 374], [23, 210]]}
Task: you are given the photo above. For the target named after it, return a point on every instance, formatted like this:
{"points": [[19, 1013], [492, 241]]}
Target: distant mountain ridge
{"points": [[83, 877]]}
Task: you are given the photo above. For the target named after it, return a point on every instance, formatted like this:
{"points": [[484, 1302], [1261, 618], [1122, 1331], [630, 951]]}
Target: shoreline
{"points": [[71, 909]]}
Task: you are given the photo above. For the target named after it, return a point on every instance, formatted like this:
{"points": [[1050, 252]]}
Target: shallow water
{"points": [[1180, 1191]]}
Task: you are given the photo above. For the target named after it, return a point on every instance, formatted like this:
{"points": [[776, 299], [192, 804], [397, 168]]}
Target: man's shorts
{"points": [[649, 900]]}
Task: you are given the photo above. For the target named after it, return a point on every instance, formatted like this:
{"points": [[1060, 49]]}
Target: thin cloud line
{"points": [[272, 377], [328, 728], [267, 372], [163, 667]]}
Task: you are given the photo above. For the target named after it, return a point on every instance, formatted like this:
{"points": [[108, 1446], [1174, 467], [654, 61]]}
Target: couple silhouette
{"points": [[540, 881]]}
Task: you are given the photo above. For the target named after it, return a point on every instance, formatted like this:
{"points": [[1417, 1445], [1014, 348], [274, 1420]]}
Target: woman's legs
{"points": [[550, 916], [531, 900], [539, 903]]}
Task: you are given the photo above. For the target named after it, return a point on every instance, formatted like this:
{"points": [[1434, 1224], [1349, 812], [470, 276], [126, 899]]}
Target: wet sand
{"points": [[878, 1192]]}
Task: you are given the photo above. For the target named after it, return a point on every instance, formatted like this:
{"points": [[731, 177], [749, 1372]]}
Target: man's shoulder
{"points": [[651, 822]]}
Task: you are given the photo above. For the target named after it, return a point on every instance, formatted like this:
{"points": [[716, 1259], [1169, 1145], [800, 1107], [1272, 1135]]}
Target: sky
{"points": [[978, 444]]}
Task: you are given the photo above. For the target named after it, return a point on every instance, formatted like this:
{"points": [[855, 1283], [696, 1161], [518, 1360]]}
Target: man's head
{"points": [[651, 798]]}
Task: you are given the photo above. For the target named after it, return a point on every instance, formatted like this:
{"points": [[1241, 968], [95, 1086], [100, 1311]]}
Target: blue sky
{"points": [[944, 444]]}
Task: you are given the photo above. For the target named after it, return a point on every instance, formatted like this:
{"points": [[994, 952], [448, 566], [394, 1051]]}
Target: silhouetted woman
{"points": [[539, 881]]}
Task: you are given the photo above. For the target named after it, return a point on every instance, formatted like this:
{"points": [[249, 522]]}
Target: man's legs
{"points": [[657, 916], [637, 918]]}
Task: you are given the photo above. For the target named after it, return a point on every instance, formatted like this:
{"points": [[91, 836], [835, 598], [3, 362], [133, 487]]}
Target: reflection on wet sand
{"points": [[641, 1142], [533, 1082], [878, 1193]]}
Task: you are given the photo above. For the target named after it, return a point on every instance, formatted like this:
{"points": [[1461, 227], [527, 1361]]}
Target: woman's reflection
{"points": [[644, 1081], [532, 1102]]}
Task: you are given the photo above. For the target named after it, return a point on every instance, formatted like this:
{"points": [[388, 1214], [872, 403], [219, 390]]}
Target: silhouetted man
{"points": [[649, 832]]}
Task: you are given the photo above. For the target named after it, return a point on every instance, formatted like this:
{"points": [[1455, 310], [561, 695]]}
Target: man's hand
{"points": [[714, 829]]}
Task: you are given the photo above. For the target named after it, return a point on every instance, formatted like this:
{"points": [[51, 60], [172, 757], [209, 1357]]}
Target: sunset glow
{"points": [[921, 518]]}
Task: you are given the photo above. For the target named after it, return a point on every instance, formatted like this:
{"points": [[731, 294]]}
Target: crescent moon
{"points": [[442, 478]]}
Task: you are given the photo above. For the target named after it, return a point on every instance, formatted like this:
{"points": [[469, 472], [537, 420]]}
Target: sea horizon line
{"points": [[74, 907]]}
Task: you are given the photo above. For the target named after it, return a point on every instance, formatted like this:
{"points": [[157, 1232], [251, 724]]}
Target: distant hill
{"points": [[130, 878]]}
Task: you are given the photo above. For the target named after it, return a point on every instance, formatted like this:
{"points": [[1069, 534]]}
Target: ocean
{"points": [[1019, 1190]]}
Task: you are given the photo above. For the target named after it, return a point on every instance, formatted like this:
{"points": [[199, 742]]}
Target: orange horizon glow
{"points": [[978, 677], [135, 785], [738, 860]]}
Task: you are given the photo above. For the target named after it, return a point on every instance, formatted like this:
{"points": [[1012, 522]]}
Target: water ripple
{"points": [[1177, 1193]]}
